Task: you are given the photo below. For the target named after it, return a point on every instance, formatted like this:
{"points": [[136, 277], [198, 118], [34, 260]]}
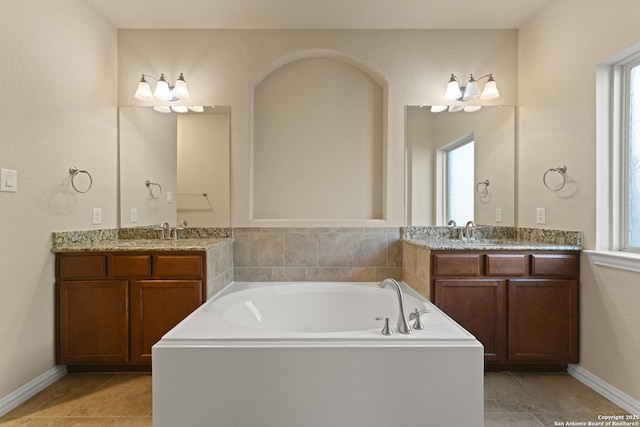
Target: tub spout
{"points": [[403, 325]]}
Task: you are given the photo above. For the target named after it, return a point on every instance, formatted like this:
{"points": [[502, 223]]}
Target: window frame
{"points": [[611, 154], [441, 176], [625, 119]]}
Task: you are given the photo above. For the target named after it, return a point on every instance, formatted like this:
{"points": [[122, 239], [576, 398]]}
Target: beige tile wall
{"points": [[317, 254], [415, 268], [219, 267]]}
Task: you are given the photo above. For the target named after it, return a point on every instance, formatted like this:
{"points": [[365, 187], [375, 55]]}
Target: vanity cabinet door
{"points": [[479, 306], [93, 319], [156, 307], [543, 320]]}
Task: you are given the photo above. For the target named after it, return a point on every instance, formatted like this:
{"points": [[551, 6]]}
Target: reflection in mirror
{"points": [[440, 183], [185, 159]]}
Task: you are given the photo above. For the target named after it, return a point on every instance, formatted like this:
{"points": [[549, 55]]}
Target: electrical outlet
{"points": [[134, 215], [97, 215], [498, 215], [541, 216], [169, 197]]}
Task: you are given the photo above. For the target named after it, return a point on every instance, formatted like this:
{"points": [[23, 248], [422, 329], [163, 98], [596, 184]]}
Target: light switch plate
{"points": [[8, 180]]}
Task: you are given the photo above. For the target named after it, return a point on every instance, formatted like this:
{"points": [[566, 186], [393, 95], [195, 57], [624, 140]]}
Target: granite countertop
{"points": [[137, 239], [492, 245], [494, 238], [123, 245]]}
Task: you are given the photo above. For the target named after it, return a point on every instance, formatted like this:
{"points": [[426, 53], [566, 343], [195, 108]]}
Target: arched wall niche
{"points": [[318, 140]]}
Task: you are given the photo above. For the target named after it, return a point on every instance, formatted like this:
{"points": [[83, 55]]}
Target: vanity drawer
{"points": [[456, 264], [179, 266], [556, 265], [506, 264], [88, 266], [130, 266]]}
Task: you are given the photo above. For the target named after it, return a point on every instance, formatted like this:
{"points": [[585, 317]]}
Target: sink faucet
{"points": [[454, 227], [469, 230], [403, 325], [174, 232], [165, 230]]}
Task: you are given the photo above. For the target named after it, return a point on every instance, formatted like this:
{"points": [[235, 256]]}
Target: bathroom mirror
{"points": [[174, 167], [437, 181]]}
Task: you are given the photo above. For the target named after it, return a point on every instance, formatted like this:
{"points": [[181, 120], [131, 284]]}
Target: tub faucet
{"points": [[403, 325]]}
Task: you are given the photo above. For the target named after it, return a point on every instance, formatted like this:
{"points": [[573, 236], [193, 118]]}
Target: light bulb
{"points": [[162, 89], [144, 91], [453, 89], [490, 89], [471, 91], [180, 90]]}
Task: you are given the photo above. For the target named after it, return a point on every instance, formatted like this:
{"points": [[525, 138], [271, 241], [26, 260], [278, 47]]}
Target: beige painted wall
{"points": [[203, 167], [222, 66], [558, 54], [57, 109], [147, 144], [317, 142]]}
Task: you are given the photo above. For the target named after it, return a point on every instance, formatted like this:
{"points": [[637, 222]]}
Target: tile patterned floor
{"points": [[511, 400]]}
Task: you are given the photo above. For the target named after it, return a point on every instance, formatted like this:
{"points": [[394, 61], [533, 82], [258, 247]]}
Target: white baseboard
{"points": [[30, 389], [621, 399]]}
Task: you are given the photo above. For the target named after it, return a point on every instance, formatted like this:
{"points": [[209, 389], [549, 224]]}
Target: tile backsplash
{"points": [[352, 254]]}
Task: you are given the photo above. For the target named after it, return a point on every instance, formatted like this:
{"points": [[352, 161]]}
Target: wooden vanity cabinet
{"points": [[522, 306], [111, 308]]}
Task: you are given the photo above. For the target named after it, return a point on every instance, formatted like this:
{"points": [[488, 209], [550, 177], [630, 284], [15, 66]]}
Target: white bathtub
{"points": [[313, 355]]}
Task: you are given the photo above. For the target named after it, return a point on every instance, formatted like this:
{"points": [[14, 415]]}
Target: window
{"points": [[618, 162], [631, 178], [459, 181]]}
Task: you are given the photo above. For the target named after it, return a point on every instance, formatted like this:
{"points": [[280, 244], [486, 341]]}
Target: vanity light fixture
{"points": [[163, 90], [455, 92]]}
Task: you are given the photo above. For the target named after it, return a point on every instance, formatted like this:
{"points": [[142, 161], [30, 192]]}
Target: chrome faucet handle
{"points": [[386, 330], [416, 315], [174, 231], [164, 227]]}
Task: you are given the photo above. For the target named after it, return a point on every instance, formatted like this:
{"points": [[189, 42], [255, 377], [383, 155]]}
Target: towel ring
{"points": [[561, 170], [149, 185], [74, 171], [482, 188]]}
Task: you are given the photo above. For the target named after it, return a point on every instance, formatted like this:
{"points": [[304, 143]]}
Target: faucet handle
{"points": [[163, 230], [174, 231], [416, 315], [385, 329]]}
